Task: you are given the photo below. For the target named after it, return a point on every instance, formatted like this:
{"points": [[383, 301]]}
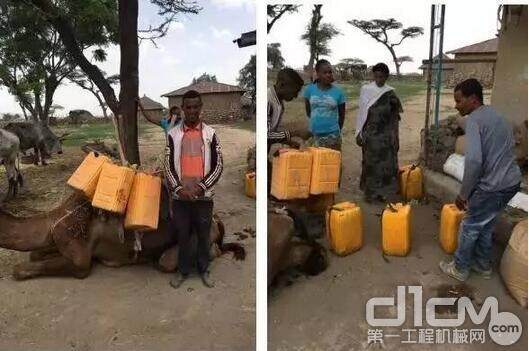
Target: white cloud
{"points": [[219, 33], [199, 44], [177, 25], [171, 60], [233, 3], [176, 28]]}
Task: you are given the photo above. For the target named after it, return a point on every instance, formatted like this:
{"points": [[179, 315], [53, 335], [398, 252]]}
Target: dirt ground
{"points": [[134, 308], [327, 312]]}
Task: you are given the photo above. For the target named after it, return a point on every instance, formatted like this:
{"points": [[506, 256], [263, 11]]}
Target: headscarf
{"points": [[369, 95]]}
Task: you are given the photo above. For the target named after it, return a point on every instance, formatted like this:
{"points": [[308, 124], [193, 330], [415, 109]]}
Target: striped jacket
{"points": [[275, 111], [212, 160]]}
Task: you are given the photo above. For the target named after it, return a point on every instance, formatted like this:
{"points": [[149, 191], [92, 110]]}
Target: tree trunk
{"points": [[129, 49], [101, 104], [314, 24], [395, 60], [50, 85], [24, 112]]}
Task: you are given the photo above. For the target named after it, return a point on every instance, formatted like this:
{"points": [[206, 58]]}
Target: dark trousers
{"points": [[192, 220], [475, 232]]}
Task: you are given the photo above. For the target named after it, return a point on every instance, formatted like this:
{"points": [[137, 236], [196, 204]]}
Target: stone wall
{"points": [[440, 142], [482, 71], [217, 108]]}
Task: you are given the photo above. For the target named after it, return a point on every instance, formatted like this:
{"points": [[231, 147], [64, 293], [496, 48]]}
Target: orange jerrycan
{"points": [[411, 182], [143, 207], [249, 185], [344, 228], [291, 171], [87, 174], [113, 188], [451, 218], [325, 170], [396, 229]]}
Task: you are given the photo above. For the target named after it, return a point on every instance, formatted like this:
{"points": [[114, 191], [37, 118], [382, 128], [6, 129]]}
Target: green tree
{"points": [[318, 36], [274, 56], [205, 77], [379, 29], [82, 81], [248, 77], [128, 35], [275, 12], [33, 61]]}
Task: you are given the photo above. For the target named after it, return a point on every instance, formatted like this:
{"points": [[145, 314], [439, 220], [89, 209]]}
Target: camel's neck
{"points": [[32, 233], [24, 234]]}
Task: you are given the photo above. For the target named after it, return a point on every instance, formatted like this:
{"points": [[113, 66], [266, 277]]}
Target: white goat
{"points": [[9, 149]]}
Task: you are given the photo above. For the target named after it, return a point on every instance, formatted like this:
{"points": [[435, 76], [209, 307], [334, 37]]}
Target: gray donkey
{"points": [[37, 136], [9, 149]]}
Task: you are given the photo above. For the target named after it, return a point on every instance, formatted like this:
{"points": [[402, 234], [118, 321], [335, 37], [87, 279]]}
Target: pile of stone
{"points": [[441, 142]]}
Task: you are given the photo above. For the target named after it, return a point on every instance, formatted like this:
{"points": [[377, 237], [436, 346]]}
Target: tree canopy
{"points": [[205, 77], [274, 56], [248, 77], [318, 35], [34, 61], [275, 12], [379, 29], [126, 33]]}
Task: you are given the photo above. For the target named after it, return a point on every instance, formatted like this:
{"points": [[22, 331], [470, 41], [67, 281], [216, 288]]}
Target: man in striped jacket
{"points": [[193, 164]]}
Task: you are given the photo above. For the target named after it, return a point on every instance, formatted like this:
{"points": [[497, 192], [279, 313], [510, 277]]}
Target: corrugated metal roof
{"points": [[206, 88], [487, 46]]}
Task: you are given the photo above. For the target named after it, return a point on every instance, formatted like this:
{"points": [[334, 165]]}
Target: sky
{"points": [[194, 45], [464, 24]]}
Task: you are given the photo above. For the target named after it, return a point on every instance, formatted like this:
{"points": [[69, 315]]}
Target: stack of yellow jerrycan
{"points": [[143, 206], [396, 229], [325, 176], [113, 188], [451, 218], [86, 176], [291, 172], [249, 184], [344, 228], [411, 182]]}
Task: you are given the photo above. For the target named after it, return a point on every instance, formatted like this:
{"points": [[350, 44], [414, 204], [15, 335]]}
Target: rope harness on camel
{"points": [[75, 221]]}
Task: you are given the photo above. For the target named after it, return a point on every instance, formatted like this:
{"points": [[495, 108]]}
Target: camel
{"points": [[67, 240]]}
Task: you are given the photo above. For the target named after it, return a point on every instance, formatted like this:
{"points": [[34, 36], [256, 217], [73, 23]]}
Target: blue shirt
{"points": [[324, 108], [165, 124]]}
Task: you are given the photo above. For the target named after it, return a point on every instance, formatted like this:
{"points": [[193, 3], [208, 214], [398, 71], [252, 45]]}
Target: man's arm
{"points": [[273, 135], [473, 160], [147, 116], [282, 136], [341, 115], [173, 182], [307, 107], [216, 165]]}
